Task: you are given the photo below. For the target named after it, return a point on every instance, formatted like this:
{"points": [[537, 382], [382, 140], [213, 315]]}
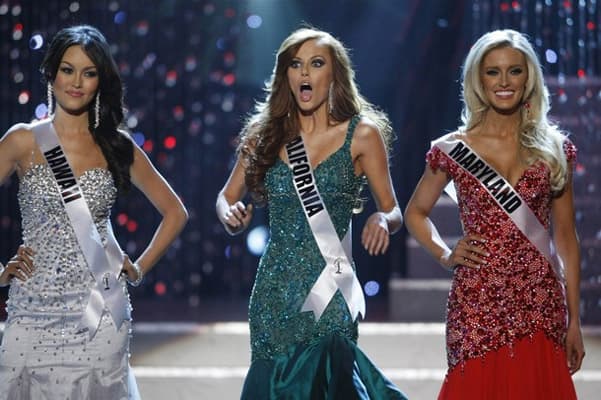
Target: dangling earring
{"points": [[331, 98], [97, 111], [50, 100], [526, 106]]}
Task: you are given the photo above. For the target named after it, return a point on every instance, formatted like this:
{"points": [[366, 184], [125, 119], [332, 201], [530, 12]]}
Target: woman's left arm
{"points": [[156, 189], [371, 159], [568, 248]]}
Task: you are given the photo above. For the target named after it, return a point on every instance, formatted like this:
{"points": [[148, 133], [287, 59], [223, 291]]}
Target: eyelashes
{"points": [[317, 63]]}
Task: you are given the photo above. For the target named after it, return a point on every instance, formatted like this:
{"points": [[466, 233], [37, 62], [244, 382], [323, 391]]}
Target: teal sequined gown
{"points": [[294, 356]]}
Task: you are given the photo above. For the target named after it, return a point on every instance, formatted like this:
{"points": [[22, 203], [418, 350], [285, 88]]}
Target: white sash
{"points": [[338, 272], [104, 261], [505, 195]]}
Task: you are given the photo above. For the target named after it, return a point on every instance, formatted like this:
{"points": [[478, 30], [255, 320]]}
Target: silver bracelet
{"points": [[140, 277], [1, 271]]}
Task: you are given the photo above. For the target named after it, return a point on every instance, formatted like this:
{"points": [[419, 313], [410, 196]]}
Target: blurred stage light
{"points": [[120, 17], [139, 138], [171, 78], [178, 112], [131, 225], [24, 97], [160, 288], [551, 56], [149, 60], [229, 79], [18, 77], [254, 21], [17, 35], [148, 146], [170, 142], [41, 110], [230, 12], [142, 28], [371, 288], [122, 219], [256, 240], [208, 268], [190, 63], [228, 252], [74, 7], [16, 11], [36, 42], [113, 6], [132, 122]]}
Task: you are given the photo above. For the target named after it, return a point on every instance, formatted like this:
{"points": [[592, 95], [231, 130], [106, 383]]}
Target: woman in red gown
{"points": [[513, 326]]}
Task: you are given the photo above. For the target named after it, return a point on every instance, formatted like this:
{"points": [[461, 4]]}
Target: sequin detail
{"points": [[42, 341], [292, 261], [517, 292]]}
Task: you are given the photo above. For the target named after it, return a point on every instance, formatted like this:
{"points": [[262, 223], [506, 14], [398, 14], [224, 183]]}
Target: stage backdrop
{"points": [[193, 70]]}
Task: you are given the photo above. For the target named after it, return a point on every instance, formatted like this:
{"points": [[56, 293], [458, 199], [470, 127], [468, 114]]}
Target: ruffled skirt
{"points": [[333, 368], [531, 369]]}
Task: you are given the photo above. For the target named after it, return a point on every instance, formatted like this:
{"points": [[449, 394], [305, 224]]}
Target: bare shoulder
{"points": [[19, 137], [455, 135], [366, 131]]}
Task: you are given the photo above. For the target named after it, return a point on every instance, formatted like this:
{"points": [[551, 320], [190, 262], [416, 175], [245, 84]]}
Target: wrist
{"points": [[139, 275], [445, 261], [2, 267]]}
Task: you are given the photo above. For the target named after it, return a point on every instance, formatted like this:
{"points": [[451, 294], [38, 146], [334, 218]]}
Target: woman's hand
{"points": [[468, 252], [574, 347], [375, 236], [20, 266], [132, 272], [237, 217]]}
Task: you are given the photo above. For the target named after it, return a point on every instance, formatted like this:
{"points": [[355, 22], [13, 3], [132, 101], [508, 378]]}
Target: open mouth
{"points": [[306, 92]]}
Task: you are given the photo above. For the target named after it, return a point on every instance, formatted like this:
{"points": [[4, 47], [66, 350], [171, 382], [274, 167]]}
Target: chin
{"points": [[506, 110]]}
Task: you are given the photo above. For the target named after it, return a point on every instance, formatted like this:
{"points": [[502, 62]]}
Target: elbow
{"points": [[410, 216], [180, 216]]}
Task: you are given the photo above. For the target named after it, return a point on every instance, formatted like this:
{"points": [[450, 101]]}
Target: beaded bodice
{"points": [[61, 280], [292, 261], [516, 293]]}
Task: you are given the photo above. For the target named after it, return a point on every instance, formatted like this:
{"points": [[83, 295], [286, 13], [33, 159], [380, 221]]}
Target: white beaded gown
{"points": [[44, 355]]}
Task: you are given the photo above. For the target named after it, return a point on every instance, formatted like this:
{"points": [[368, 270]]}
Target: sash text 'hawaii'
{"points": [[63, 174], [303, 178], [497, 186]]}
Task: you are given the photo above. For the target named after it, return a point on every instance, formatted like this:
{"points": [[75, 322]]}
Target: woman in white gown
{"points": [[65, 336]]}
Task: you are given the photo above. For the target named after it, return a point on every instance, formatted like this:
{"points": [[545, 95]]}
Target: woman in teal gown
{"points": [[312, 354]]}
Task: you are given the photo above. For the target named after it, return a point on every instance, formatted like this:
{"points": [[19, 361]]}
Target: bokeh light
{"points": [[256, 240]]}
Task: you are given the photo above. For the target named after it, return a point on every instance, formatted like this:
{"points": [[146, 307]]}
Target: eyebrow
{"points": [[85, 68], [510, 66], [310, 58]]}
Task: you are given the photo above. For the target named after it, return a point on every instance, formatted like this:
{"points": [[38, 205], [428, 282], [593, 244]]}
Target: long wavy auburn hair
{"points": [[275, 122]]}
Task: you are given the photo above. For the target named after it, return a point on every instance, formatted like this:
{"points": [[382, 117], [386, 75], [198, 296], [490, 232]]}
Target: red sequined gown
{"points": [[506, 322]]}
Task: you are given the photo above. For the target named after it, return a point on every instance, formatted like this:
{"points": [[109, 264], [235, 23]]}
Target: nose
{"points": [[77, 78], [504, 80], [304, 71]]}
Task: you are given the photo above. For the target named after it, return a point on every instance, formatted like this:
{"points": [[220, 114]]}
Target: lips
{"points": [[504, 93], [74, 93], [306, 92]]}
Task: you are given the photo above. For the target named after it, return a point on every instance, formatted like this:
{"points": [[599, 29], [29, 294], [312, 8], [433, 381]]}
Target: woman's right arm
{"points": [[231, 211], [466, 251], [15, 148]]}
